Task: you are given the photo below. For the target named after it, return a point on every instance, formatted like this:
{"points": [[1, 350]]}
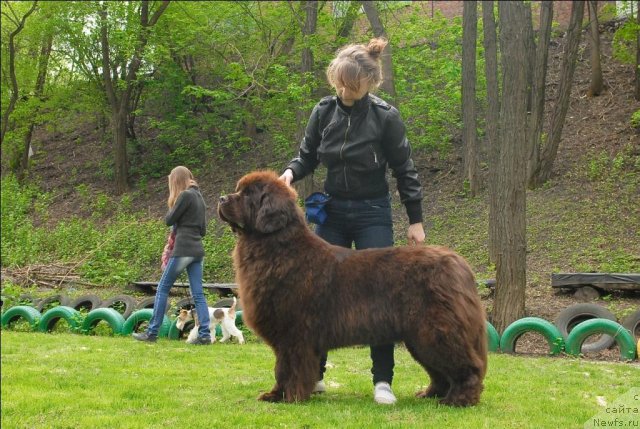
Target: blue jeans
{"points": [[365, 224], [176, 266]]}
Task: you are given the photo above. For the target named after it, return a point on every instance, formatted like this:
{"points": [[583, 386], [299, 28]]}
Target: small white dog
{"points": [[225, 317]]}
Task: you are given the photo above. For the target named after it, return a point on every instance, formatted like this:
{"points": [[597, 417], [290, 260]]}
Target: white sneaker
{"points": [[383, 394], [319, 387]]}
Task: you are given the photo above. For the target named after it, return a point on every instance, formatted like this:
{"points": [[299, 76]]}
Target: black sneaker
{"points": [[145, 337], [200, 341]]}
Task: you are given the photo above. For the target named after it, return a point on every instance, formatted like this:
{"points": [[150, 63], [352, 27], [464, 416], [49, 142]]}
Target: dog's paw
{"points": [[431, 392], [271, 396]]}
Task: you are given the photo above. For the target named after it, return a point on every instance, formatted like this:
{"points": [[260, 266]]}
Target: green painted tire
{"points": [[602, 326], [109, 315], [52, 316], [532, 324], [492, 336], [26, 312], [177, 334], [144, 315]]}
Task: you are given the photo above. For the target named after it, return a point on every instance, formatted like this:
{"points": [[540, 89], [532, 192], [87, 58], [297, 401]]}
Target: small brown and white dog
{"points": [[225, 317]]}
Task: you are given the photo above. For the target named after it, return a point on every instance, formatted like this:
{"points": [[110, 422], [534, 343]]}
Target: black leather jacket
{"points": [[356, 148]]}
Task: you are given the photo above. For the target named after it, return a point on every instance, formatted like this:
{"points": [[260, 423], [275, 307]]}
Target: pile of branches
{"points": [[51, 275]]}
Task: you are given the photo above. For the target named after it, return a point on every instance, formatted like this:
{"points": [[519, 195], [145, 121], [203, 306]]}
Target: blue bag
{"points": [[314, 205]]}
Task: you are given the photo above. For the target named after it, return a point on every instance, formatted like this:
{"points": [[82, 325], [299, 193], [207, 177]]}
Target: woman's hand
{"points": [[415, 234], [287, 176]]}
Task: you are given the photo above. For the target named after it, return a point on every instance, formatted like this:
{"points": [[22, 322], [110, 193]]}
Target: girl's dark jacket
{"points": [[356, 148], [188, 218]]}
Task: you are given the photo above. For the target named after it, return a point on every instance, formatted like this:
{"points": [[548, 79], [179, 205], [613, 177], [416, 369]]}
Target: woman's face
{"points": [[349, 96]]}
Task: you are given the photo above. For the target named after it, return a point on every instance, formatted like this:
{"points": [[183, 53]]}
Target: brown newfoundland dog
{"points": [[304, 297]]}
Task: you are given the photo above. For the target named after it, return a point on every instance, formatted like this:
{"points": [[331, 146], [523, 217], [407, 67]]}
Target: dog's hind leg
{"points": [[466, 387], [455, 369], [296, 374], [439, 385]]}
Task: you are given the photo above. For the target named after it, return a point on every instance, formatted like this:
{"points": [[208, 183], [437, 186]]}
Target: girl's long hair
{"points": [[179, 180]]}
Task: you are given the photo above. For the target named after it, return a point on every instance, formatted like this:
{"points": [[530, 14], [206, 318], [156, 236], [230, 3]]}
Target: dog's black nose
{"points": [[223, 199]]}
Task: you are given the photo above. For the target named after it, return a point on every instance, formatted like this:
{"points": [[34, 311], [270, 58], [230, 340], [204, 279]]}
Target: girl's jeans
{"points": [[177, 265], [367, 224]]}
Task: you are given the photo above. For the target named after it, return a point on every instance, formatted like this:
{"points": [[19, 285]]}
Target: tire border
{"points": [[129, 304], [549, 331], [619, 333], [493, 337], [27, 312], [107, 314], [52, 316], [62, 299], [94, 300], [143, 315], [581, 310]]}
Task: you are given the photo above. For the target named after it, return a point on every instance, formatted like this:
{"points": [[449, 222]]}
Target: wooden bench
{"points": [[589, 285], [222, 289]]}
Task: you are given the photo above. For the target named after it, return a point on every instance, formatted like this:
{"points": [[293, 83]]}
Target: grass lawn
{"points": [[75, 381]]}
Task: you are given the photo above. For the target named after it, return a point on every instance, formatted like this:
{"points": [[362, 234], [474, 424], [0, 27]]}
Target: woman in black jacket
{"points": [[186, 216], [357, 135]]}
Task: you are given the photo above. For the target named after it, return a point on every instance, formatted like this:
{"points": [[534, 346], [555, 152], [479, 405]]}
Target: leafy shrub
{"points": [[635, 119]]}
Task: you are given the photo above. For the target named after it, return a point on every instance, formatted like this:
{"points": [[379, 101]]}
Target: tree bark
{"points": [[539, 88], [349, 20], [511, 171], [120, 100], [387, 85], [492, 117], [637, 94], [542, 171], [15, 90], [43, 64], [596, 69], [305, 186], [469, 125]]}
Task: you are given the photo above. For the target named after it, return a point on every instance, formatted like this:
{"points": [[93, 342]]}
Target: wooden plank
{"points": [[607, 281], [204, 285]]}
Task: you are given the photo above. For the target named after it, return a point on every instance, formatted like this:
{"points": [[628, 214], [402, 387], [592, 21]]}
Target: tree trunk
{"points": [[637, 94], [596, 70], [511, 171], [349, 20], [119, 123], [305, 186], [539, 88], [469, 125], [43, 64], [15, 90], [530, 46], [387, 85], [493, 106], [120, 99], [550, 149]]}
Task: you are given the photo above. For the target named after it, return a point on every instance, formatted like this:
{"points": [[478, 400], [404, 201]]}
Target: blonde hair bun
{"points": [[376, 46]]}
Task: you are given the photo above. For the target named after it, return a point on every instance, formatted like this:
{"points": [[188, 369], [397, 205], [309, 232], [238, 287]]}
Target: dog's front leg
{"points": [[296, 373]]}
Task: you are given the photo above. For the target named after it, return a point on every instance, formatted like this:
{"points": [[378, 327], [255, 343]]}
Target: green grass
{"points": [[75, 381]]}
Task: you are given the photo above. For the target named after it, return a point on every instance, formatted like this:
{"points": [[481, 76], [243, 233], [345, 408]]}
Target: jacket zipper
{"points": [[346, 183]]}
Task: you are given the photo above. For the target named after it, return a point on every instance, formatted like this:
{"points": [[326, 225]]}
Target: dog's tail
{"points": [[232, 309]]}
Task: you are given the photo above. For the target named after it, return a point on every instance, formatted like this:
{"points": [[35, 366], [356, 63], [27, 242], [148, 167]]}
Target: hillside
{"points": [[586, 218]]}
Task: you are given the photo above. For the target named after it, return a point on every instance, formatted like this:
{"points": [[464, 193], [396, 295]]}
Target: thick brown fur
{"points": [[304, 297]]}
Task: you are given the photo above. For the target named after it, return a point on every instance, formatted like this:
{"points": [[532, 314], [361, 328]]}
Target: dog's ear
{"points": [[274, 213]]}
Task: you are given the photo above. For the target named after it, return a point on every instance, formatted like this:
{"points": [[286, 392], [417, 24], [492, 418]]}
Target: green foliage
{"points": [[625, 40], [123, 249], [427, 61], [635, 119], [19, 240]]}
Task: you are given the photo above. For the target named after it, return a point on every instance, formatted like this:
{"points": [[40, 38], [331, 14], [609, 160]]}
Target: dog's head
{"points": [[261, 204], [183, 317]]}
